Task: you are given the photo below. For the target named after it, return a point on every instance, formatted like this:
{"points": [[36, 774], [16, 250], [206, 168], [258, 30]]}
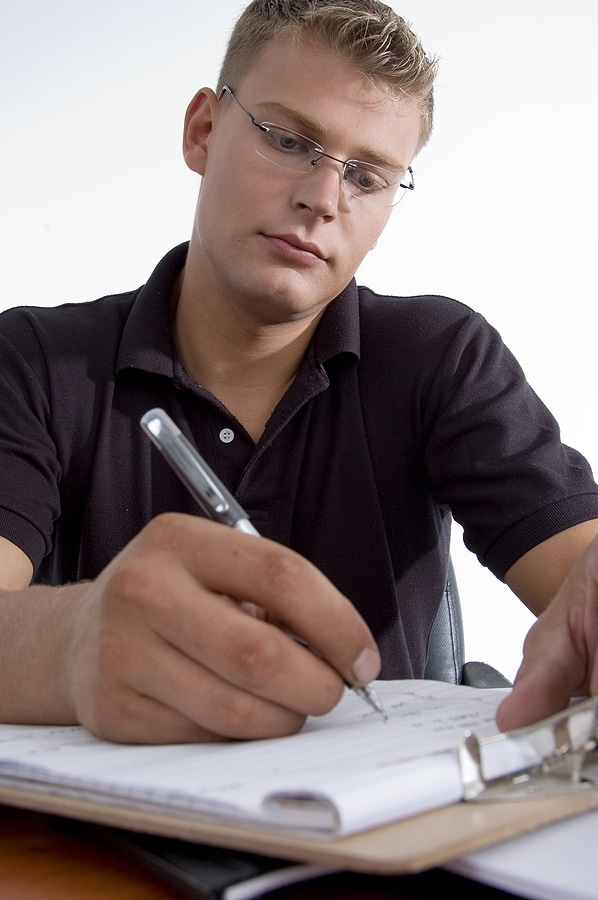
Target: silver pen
{"points": [[211, 495]]}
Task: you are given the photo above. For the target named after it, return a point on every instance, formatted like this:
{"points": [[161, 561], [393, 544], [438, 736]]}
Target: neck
{"points": [[247, 365]]}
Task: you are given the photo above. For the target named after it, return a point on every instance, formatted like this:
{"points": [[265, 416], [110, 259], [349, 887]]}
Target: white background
{"points": [[94, 190]]}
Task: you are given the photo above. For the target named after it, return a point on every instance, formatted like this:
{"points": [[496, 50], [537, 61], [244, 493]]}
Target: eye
{"points": [[287, 142], [366, 180]]}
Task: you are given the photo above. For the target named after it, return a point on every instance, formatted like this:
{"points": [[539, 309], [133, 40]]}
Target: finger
{"points": [[260, 571], [139, 719], [208, 710], [246, 652], [148, 599], [549, 676], [135, 687], [538, 692], [132, 718]]}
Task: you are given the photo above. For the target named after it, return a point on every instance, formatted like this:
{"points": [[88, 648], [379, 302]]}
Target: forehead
{"points": [[327, 95]]}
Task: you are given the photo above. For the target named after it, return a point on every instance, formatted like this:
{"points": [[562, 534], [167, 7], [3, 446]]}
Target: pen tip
{"points": [[370, 696]]}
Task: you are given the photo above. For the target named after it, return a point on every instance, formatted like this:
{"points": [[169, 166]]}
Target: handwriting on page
{"points": [[423, 718]]}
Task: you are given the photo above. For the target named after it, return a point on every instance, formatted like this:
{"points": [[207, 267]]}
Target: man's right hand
{"points": [[161, 647]]}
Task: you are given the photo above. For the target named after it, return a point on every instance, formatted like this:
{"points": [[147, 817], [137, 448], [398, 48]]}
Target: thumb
{"points": [[550, 674]]}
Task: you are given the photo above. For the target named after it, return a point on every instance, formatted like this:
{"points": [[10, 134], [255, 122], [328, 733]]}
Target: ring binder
{"points": [[565, 746]]}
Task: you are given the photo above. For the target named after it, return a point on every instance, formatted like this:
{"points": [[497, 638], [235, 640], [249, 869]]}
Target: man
{"points": [[350, 426]]}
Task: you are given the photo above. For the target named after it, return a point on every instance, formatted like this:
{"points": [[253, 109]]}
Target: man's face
{"points": [[278, 243]]}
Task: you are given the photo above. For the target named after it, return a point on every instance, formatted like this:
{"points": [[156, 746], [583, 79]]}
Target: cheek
{"points": [[362, 239], [221, 203], [240, 191]]}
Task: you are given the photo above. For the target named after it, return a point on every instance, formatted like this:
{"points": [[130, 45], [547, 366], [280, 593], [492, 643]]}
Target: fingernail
{"points": [[252, 609], [366, 667]]}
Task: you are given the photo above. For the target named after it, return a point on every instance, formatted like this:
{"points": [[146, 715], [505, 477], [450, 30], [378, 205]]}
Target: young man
{"points": [[350, 426]]}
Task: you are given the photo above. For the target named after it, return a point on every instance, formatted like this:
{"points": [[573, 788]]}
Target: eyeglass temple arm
{"points": [[411, 185]]}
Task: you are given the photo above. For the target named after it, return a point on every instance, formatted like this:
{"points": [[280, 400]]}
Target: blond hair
{"points": [[367, 33]]}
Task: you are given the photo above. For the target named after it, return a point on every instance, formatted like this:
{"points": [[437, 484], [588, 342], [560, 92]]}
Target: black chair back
{"points": [[446, 647]]}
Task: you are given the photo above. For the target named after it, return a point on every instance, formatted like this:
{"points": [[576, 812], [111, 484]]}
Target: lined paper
{"points": [[345, 771]]}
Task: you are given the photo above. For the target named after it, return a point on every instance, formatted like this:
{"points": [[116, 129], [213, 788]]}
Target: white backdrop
{"points": [[94, 190]]}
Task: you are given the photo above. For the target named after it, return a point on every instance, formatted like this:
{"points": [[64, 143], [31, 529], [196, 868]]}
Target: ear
{"points": [[199, 123]]}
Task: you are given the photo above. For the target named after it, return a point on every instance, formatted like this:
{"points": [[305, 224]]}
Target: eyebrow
{"points": [[364, 154]]}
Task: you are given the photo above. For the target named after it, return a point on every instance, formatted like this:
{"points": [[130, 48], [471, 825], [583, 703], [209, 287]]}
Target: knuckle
{"points": [[113, 716], [257, 660], [171, 525], [168, 533], [327, 695], [133, 583], [238, 710], [283, 571], [246, 719], [127, 581]]}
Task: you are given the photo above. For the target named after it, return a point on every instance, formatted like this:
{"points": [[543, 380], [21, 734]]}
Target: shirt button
{"points": [[226, 435]]}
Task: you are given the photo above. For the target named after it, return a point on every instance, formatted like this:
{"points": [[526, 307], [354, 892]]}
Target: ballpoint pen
{"points": [[212, 496]]}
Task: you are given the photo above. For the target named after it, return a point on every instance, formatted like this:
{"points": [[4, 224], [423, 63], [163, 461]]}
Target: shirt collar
{"points": [[147, 343], [338, 332]]}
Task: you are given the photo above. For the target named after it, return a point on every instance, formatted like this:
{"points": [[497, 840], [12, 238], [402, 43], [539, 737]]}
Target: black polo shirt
{"points": [[405, 411]]}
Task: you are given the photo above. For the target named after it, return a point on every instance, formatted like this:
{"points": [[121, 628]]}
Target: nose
{"points": [[321, 190]]}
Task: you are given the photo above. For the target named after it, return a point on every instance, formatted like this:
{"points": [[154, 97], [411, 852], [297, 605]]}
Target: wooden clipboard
{"points": [[405, 847], [563, 784]]}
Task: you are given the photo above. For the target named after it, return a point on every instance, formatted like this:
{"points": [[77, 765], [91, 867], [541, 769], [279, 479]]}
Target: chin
{"points": [[285, 308], [295, 302]]}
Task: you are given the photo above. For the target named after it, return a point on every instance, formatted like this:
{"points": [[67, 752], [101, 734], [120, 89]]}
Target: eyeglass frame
{"points": [[318, 149]]}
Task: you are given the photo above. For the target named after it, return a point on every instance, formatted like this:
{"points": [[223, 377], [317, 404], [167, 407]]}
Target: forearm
{"points": [[538, 575], [36, 627]]}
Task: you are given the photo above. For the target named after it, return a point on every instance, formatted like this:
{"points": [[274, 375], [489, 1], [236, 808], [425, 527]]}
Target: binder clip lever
{"points": [[559, 749]]}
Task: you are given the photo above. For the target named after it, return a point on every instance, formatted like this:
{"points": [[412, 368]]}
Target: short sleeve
{"points": [[494, 452], [29, 467]]}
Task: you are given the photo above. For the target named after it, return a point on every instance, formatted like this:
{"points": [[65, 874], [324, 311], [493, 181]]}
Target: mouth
{"points": [[291, 245]]}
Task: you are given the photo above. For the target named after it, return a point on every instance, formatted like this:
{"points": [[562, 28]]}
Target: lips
{"points": [[298, 244]]}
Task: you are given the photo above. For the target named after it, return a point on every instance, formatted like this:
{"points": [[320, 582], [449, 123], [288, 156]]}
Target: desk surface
{"points": [[60, 859]]}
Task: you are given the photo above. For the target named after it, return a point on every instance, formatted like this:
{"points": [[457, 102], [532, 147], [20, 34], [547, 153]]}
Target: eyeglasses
{"points": [[291, 150]]}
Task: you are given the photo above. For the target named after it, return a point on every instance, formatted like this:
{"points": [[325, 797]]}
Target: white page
{"points": [[349, 757], [556, 862]]}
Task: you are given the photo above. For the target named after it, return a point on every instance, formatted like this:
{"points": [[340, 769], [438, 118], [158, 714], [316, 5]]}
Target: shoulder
{"points": [[82, 325], [420, 313], [95, 328], [433, 345], [419, 323]]}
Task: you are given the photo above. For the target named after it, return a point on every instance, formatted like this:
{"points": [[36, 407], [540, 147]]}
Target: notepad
{"points": [[345, 772]]}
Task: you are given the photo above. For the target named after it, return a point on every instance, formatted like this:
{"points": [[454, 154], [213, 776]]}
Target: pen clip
{"points": [[172, 443]]}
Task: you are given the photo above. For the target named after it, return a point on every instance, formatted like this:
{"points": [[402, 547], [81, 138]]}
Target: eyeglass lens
{"points": [[291, 150]]}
